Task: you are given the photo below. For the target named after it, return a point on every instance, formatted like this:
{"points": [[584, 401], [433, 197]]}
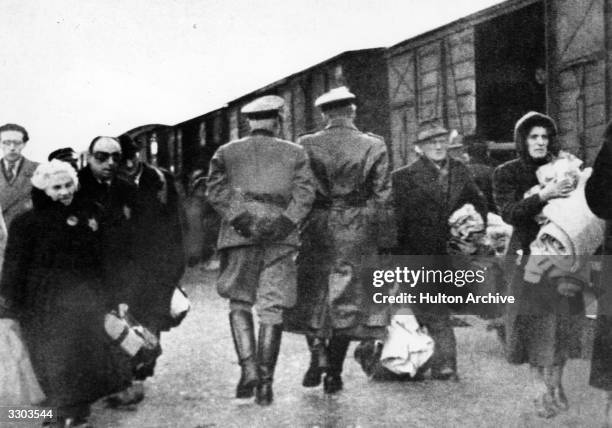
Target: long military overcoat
{"points": [[353, 186]]}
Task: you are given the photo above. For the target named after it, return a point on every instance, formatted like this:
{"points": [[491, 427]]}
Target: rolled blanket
{"points": [[571, 232]]}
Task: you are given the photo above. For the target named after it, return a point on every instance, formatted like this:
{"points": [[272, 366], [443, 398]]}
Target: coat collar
{"points": [[341, 122], [426, 176]]}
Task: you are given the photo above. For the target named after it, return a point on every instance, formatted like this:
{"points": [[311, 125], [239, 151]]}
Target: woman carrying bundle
{"points": [[538, 324]]}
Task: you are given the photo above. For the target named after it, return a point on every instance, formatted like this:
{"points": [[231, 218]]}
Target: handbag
{"points": [[129, 335], [18, 383], [407, 346]]}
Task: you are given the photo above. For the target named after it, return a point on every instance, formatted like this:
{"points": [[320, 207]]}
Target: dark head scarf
{"points": [[525, 124]]}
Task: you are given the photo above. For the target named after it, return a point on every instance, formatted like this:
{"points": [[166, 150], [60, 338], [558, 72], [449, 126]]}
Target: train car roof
{"points": [[454, 26], [282, 81]]}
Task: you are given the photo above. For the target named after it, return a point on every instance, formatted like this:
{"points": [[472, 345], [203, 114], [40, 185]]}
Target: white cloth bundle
{"points": [[18, 384], [570, 232], [467, 231], [498, 234], [179, 305], [407, 346]]}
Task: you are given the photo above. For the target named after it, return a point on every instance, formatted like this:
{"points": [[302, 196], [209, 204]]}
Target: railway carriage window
{"points": [[510, 70]]}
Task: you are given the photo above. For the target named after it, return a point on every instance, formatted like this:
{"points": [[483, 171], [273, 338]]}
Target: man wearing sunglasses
{"points": [[114, 199], [16, 173]]}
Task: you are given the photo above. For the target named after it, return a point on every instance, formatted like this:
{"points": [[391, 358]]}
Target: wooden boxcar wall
{"points": [[432, 81], [579, 72], [433, 77]]}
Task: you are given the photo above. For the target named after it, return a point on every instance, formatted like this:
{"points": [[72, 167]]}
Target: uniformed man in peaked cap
{"points": [[263, 188], [352, 176]]}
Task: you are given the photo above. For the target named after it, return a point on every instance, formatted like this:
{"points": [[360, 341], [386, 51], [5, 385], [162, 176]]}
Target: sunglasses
{"points": [[105, 156]]}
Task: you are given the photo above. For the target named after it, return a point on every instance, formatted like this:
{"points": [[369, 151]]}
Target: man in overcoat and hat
{"points": [[262, 186], [353, 185], [158, 260], [17, 170], [425, 194]]}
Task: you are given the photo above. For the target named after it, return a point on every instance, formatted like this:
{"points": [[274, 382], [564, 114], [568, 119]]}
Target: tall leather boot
{"points": [[318, 362], [243, 333], [336, 352], [268, 346]]}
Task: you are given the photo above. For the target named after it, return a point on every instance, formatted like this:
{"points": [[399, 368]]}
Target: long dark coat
{"points": [[422, 208], [599, 197], [51, 278], [352, 175], [537, 328], [157, 248], [114, 206]]}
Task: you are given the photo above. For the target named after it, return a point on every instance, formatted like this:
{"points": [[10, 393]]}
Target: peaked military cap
{"points": [[336, 96], [263, 107], [430, 130]]}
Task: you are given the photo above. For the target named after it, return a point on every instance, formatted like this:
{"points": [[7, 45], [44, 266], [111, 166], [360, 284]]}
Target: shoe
{"points": [[336, 351], [77, 423], [560, 399], [446, 373], [318, 363], [268, 346], [544, 406], [130, 396], [68, 423], [332, 383], [243, 333]]}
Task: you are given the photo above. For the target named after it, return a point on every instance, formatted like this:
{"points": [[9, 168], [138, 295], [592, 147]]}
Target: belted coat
{"points": [[353, 188], [262, 175]]}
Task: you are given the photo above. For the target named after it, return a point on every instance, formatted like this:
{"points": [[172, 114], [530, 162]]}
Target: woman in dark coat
{"points": [[537, 324], [598, 194], [51, 280]]}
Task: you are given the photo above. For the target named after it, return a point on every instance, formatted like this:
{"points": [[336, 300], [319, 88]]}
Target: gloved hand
{"points": [[276, 229], [243, 223]]}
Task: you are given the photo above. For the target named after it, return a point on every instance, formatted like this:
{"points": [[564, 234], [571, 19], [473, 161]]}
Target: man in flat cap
{"points": [[17, 171], [425, 194], [263, 188], [353, 185]]}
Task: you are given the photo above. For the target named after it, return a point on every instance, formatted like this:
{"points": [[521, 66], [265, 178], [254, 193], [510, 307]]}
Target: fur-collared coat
{"points": [[52, 282]]}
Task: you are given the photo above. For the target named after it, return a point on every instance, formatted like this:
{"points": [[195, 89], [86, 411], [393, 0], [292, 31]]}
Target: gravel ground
{"points": [[196, 376]]}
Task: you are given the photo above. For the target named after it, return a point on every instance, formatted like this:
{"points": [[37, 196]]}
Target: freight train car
{"points": [[186, 146], [481, 73], [362, 71]]}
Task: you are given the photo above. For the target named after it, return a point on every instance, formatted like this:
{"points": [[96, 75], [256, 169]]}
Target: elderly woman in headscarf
{"points": [[50, 280], [538, 324]]}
